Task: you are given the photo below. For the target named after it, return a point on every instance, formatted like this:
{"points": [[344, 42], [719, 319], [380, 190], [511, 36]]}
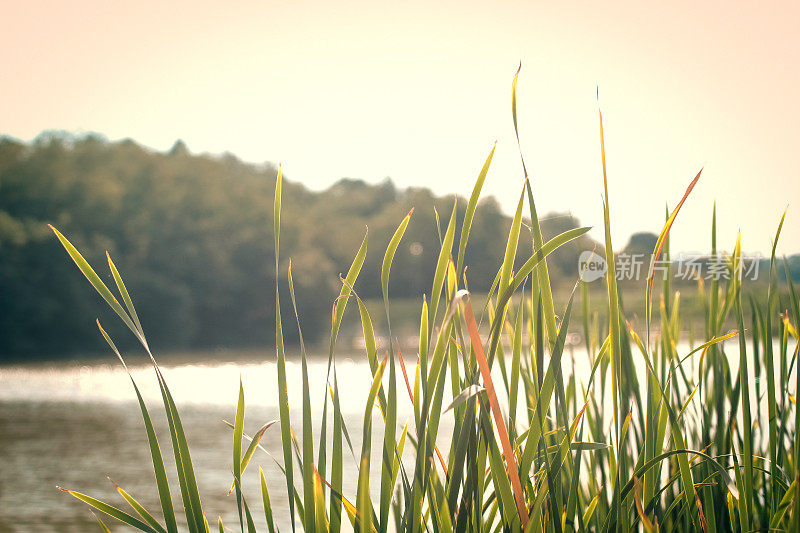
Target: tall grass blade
{"points": [[662, 237], [266, 502], [772, 407], [98, 284], [508, 451], [139, 508], [283, 395], [186, 477], [155, 451], [472, 205], [111, 511], [441, 270], [238, 429], [542, 273], [309, 470], [364, 502], [390, 410], [614, 320]]}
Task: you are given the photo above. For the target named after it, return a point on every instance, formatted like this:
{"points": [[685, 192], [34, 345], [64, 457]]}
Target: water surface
{"points": [[72, 424]]}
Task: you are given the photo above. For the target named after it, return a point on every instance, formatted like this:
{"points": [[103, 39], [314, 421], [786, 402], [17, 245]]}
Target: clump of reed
{"points": [[684, 448]]}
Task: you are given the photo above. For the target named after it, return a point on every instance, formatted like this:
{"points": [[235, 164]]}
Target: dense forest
{"points": [[192, 234]]}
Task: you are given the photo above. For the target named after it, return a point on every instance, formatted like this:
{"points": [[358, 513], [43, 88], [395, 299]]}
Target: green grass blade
{"points": [[389, 450], [541, 254], [308, 439], [441, 270], [472, 205], [139, 508], [111, 511], [783, 507], [536, 428], [678, 439], [155, 451], [390, 403], [747, 424], [466, 394], [347, 287], [337, 314], [508, 451], [238, 429], [255, 440], [185, 471], [796, 447], [123, 291], [183, 460], [386, 265], [772, 408], [102, 524], [283, 395], [536, 259], [542, 273], [511, 247], [98, 284], [251, 526], [587, 515], [516, 361], [320, 518], [423, 345], [662, 237], [364, 502], [265, 500], [337, 465], [276, 213]]}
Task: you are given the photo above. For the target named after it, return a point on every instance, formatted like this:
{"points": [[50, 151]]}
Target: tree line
{"points": [[192, 236]]}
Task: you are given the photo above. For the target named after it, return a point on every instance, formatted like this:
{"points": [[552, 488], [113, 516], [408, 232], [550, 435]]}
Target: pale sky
{"points": [[420, 91]]}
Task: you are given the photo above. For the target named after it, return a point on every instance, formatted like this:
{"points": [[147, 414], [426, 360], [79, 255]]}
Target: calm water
{"points": [[73, 424]]}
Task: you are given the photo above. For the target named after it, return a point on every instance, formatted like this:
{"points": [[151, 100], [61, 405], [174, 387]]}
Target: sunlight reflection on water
{"points": [[204, 383], [72, 424]]}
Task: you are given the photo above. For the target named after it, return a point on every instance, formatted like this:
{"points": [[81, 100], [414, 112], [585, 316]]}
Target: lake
{"points": [[74, 423]]}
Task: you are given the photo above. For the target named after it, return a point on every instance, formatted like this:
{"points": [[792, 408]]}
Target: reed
{"points": [[683, 450]]}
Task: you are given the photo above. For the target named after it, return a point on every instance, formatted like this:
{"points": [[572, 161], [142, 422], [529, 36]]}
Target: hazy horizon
{"points": [[419, 94]]}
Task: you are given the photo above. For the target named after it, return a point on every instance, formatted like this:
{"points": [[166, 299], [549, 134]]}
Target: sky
{"points": [[420, 91]]}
